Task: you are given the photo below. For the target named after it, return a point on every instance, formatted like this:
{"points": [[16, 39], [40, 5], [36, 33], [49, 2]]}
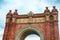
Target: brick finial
{"points": [[10, 12], [53, 7], [46, 10], [15, 10], [46, 7], [15, 13]]}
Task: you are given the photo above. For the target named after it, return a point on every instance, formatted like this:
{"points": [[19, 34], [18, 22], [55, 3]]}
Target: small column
{"points": [[7, 26], [47, 24], [9, 17], [55, 15], [13, 25], [15, 14]]}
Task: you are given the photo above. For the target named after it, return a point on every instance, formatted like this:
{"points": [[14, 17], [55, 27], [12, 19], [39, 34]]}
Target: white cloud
{"points": [[1, 33], [28, 5], [0, 38]]}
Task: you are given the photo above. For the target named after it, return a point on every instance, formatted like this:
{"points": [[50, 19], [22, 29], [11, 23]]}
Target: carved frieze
{"points": [[32, 20]]}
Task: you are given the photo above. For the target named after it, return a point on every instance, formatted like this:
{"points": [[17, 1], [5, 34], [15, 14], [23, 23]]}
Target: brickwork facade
{"points": [[44, 24]]}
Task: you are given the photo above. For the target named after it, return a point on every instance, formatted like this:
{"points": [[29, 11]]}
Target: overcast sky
{"points": [[24, 6]]}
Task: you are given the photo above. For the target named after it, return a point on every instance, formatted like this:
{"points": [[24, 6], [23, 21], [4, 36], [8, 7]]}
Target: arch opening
{"points": [[27, 33], [22, 34], [32, 37]]}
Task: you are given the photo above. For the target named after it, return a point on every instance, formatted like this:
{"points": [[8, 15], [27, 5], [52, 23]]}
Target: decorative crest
{"points": [[30, 13]]}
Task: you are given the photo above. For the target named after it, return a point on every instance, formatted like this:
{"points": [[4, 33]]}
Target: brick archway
{"points": [[46, 25], [29, 30]]}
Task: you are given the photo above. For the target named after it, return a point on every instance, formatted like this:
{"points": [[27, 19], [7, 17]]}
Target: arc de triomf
{"points": [[45, 25]]}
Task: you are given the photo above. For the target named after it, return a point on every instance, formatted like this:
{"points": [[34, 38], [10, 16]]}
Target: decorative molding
{"points": [[31, 20]]}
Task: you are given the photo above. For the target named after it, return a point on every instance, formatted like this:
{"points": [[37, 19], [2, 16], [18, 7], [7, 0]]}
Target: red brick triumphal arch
{"points": [[45, 25]]}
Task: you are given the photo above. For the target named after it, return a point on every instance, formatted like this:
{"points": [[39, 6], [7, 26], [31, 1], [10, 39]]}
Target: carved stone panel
{"points": [[32, 20]]}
